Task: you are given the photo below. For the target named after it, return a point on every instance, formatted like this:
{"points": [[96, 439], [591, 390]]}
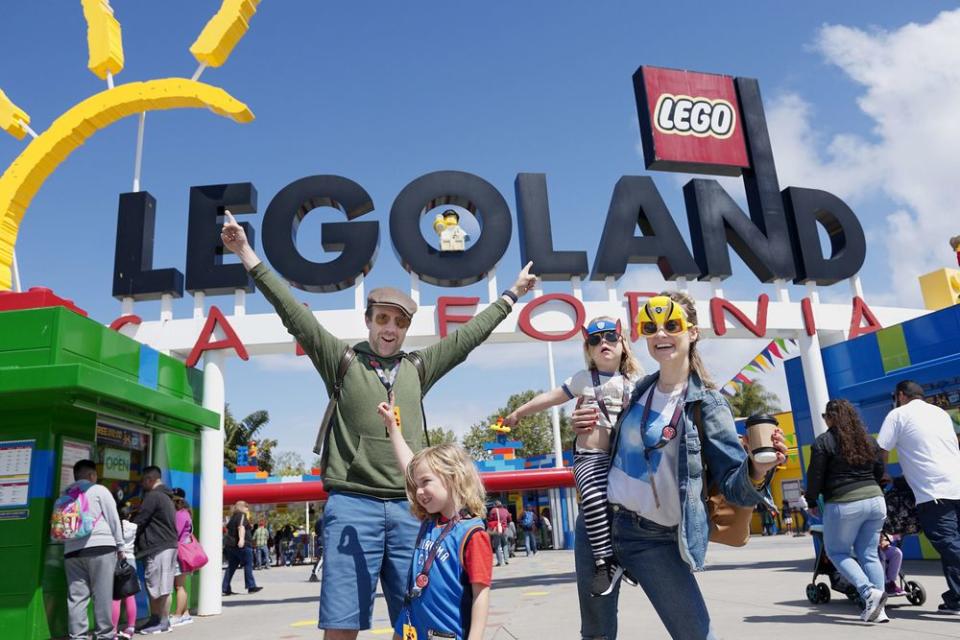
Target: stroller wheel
{"points": [[916, 594], [824, 592], [812, 594]]}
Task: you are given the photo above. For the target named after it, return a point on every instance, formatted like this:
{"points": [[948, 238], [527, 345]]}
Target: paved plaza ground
{"points": [[753, 592]]}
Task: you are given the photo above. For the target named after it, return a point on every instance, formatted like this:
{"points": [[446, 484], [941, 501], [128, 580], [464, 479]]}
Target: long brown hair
{"points": [[856, 446], [696, 362]]}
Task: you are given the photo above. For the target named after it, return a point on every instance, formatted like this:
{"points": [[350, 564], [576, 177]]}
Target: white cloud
{"points": [[911, 86]]}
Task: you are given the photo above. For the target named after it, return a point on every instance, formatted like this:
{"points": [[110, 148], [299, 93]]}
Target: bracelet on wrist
{"points": [[510, 294]]}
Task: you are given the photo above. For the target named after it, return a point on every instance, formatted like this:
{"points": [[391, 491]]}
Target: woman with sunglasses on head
{"points": [[605, 386], [846, 468], [655, 485]]}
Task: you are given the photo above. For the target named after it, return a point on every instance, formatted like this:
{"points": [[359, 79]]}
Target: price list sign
{"points": [[15, 458]]}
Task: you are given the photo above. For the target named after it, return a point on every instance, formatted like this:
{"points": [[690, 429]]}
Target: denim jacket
{"points": [[726, 460]]}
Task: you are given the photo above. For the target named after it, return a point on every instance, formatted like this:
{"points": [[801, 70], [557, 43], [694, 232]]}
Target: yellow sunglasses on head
{"points": [[662, 311]]}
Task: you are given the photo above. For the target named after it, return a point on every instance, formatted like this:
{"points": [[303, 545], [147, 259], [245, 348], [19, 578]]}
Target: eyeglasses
{"points": [[383, 319], [609, 336], [672, 327]]}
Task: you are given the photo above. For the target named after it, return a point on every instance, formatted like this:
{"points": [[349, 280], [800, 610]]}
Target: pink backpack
{"points": [[72, 518]]}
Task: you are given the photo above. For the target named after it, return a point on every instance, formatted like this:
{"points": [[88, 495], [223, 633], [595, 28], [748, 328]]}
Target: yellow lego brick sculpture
{"points": [[13, 119], [222, 33], [104, 39], [940, 288], [22, 179]]}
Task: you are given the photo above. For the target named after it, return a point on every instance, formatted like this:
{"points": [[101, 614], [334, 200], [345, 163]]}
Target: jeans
{"points": [[499, 542], [237, 556], [857, 525], [530, 541], [365, 540], [649, 552], [263, 556], [940, 520]]}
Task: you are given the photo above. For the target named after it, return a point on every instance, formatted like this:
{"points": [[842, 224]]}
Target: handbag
{"points": [[191, 555], [125, 580], [729, 523]]}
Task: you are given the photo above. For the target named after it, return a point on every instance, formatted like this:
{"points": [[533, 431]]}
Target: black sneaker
{"points": [[945, 608], [605, 577], [254, 589]]}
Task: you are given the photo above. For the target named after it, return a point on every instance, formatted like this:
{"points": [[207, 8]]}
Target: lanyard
{"points": [[598, 393], [669, 433], [422, 579], [386, 377]]}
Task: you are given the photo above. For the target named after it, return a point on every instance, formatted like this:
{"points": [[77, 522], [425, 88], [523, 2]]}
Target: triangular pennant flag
{"points": [[775, 350], [744, 379], [782, 344], [751, 368]]}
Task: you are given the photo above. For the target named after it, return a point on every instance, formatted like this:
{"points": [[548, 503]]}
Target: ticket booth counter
{"points": [[70, 389]]}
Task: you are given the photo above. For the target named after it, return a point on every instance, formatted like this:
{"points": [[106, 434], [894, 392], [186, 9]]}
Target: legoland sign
{"points": [[690, 122]]}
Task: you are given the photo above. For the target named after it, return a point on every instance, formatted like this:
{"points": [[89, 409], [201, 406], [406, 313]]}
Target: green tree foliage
{"points": [[535, 432], [240, 433], [289, 463], [439, 435], [753, 398]]}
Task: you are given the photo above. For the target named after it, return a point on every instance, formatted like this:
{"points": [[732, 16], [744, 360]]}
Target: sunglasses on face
{"points": [[609, 336], [672, 327], [383, 319]]}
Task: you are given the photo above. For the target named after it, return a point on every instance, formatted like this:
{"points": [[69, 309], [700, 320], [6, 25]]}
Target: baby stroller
{"points": [[901, 520], [819, 593]]}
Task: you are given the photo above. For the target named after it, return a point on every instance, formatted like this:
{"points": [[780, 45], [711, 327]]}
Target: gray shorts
{"points": [[158, 571]]}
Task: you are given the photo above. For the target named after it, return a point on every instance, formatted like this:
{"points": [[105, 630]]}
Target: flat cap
{"points": [[394, 298]]}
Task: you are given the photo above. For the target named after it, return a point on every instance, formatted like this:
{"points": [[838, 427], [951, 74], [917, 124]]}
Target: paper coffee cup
{"points": [[760, 430]]}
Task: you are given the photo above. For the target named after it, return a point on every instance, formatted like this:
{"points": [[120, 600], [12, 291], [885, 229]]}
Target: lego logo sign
{"points": [[684, 115], [690, 122]]}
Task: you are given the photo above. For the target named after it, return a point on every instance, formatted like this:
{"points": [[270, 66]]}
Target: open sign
{"points": [[116, 464]]}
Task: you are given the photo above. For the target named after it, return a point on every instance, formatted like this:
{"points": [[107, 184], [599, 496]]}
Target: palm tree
{"points": [[753, 398], [240, 433]]}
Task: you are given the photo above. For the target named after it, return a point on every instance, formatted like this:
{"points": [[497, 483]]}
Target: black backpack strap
{"points": [[323, 434], [416, 360]]}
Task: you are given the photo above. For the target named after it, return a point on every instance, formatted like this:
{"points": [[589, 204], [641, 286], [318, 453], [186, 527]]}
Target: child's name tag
{"points": [[409, 632]]}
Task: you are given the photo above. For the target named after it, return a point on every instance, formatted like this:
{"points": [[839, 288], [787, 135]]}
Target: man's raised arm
{"points": [[323, 348], [443, 356]]}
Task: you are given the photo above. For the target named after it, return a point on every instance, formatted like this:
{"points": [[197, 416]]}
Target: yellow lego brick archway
{"points": [[24, 177]]}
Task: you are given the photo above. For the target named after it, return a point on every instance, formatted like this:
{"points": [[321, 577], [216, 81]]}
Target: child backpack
{"points": [[527, 520], [72, 518]]}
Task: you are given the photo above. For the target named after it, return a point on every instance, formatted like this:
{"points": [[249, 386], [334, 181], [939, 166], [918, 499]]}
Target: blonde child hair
{"points": [[629, 365], [459, 476]]}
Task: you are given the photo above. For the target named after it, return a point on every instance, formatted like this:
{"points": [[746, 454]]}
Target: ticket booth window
{"points": [[122, 453]]}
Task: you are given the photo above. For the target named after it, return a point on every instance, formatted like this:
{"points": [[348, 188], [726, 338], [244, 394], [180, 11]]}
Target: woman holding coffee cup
{"points": [[655, 484], [846, 468]]}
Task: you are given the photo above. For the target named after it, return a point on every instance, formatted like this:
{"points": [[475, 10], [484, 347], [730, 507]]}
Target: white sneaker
{"points": [[182, 620], [882, 616], [873, 605]]}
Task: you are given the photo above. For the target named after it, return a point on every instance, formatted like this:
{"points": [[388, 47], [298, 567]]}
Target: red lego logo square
{"points": [[690, 122]]}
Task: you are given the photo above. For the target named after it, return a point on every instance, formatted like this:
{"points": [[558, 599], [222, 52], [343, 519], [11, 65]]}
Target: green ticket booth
{"points": [[71, 388]]}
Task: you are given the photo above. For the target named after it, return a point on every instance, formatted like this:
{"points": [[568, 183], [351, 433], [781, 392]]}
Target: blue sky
{"points": [[385, 92]]}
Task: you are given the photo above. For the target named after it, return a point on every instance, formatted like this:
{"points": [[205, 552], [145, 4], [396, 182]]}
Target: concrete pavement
{"points": [[754, 592]]}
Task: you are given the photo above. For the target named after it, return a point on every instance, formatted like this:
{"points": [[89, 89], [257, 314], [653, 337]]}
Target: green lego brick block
{"points": [[26, 330], [120, 353], [173, 377], [893, 348], [79, 336]]}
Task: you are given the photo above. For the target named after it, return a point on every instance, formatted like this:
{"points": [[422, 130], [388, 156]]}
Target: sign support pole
{"points": [[210, 601]]}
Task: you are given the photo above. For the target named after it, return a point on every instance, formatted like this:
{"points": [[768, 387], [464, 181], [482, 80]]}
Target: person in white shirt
{"points": [[929, 455]]}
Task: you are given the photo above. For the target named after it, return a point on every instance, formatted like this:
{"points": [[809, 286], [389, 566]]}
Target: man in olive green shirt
{"points": [[368, 532]]}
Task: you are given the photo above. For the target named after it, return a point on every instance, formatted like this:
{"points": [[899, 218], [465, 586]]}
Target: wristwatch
{"points": [[511, 295]]}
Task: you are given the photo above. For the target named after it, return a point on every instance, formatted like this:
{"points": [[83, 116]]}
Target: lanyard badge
{"points": [[422, 579]]}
